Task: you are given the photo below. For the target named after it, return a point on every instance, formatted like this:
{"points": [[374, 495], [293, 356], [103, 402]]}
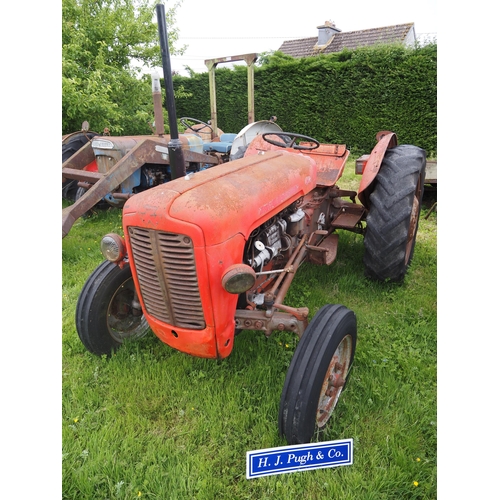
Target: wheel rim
{"points": [[412, 230], [124, 316], [334, 381]]}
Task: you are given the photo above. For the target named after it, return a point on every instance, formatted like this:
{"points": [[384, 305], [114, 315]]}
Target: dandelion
{"points": [[75, 420], [286, 345], [415, 483], [139, 493], [418, 459]]}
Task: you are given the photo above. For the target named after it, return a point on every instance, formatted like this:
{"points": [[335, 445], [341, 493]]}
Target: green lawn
{"points": [[153, 423]]}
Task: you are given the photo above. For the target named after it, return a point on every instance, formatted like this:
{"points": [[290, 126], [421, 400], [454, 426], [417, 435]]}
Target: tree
{"points": [[107, 48]]}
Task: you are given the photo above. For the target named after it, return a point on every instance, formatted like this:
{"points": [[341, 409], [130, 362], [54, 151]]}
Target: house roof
{"points": [[305, 47]]}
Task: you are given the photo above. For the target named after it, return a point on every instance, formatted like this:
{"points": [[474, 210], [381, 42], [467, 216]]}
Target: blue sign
{"points": [[295, 458]]}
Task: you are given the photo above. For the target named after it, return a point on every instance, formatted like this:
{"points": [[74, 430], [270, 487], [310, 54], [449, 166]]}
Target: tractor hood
{"points": [[225, 200]]}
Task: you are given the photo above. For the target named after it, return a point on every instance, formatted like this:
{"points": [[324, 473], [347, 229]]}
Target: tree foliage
{"points": [[106, 44]]}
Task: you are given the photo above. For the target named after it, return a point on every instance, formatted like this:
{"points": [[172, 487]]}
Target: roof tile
{"points": [[305, 47]]}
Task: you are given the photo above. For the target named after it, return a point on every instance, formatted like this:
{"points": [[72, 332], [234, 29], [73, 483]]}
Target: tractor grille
{"points": [[168, 282]]}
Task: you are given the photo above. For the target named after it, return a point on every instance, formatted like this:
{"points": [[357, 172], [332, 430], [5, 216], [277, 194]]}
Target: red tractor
{"points": [[215, 252], [105, 170]]}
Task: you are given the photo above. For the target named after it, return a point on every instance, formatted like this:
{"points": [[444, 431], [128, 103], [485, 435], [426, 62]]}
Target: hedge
{"points": [[344, 98]]}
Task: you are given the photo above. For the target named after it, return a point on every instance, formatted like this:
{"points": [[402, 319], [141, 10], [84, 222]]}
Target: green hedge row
{"points": [[338, 98]]}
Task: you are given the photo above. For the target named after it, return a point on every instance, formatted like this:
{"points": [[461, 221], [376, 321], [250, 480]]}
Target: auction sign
{"points": [[295, 458]]}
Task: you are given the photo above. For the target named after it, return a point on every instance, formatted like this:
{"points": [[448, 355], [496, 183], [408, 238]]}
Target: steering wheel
{"points": [[184, 120], [289, 139]]}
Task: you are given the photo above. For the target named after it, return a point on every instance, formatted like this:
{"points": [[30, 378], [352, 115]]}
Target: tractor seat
{"points": [[224, 145]]}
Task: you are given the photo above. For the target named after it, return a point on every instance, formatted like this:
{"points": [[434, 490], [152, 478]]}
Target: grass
{"points": [[150, 422]]}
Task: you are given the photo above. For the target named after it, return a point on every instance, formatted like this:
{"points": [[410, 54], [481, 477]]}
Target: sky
{"points": [[211, 31]]}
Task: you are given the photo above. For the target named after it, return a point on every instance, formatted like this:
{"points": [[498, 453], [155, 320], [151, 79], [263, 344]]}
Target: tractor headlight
{"points": [[113, 247], [238, 278]]}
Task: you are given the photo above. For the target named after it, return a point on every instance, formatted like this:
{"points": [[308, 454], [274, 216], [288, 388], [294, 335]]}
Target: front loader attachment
{"points": [[146, 150], [103, 184]]}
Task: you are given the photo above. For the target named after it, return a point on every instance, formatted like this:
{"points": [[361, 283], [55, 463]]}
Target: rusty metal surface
{"points": [[386, 140], [328, 177], [414, 218], [87, 133], [258, 320], [143, 152], [326, 252], [348, 215], [237, 196], [113, 171], [334, 381], [82, 175], [194, 157], [361, 164], [79, 160], [330, 159]]}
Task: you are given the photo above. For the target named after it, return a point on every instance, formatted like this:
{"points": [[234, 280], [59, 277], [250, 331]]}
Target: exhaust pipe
{"points": [[175, 153]]}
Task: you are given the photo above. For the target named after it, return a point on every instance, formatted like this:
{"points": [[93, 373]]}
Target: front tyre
{"points": [[108, 311], [392, 220], [318, 373]]}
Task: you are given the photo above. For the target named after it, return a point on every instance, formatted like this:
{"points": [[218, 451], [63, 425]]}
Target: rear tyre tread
{"points": [[388, 220]]}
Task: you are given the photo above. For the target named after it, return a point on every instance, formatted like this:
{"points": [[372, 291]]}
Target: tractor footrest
{"points": [[81, 175], [326, 252], [349, 215]]}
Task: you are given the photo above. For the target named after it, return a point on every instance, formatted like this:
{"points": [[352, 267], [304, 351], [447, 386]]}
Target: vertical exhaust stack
{"points": [[175, 153]]}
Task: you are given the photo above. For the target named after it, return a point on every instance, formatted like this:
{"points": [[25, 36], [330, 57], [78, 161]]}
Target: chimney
{"points": [[326, 32]]}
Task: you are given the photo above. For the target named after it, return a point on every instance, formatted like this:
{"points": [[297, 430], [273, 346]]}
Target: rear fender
{"points": [[86, 133], [386, 140]]}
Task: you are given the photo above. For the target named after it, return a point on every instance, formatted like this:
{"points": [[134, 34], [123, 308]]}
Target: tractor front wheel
{"points": [[108, 310], [393, 216], [318, 373]]}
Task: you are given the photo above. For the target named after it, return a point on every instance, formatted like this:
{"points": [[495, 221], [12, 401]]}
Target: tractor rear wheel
{"points": [[108, 310], [68, 150], [100, 205], [393, 216], [318, 373]]}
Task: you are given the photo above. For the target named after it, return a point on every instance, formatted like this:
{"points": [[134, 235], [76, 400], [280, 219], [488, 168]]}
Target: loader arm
{"points": [[143, 152], [79, 160]]}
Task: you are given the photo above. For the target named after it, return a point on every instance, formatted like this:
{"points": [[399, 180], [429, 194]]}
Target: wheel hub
{"points": [[124, 319], [334, 381], [412, 230]]}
